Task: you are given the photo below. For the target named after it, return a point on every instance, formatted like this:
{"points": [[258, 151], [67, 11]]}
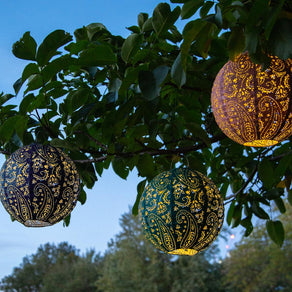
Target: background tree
{"points": [[144, 102], [133, 264], [257, 264], [54, 268]]}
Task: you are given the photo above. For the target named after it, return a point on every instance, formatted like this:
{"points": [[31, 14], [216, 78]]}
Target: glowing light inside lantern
{"points": [[251, 106], [181, 211], [39, 185]]}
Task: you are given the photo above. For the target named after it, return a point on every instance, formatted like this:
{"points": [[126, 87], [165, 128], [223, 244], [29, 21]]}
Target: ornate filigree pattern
{"points": [[181, 211], [253, 107], [39, 185]]}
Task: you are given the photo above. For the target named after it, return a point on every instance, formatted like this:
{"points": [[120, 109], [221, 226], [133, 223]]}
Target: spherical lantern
{"points": [[251, 106], [181, 211], [39, 185]]}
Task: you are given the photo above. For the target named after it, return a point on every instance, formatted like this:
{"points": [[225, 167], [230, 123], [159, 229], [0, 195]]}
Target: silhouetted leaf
{"points": [[140, 190], [276, 231], [164, 18], [25, 48], [48, 48]]}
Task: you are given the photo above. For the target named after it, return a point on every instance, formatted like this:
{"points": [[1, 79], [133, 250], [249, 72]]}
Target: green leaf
{"points": [[114, 87], [26, 101], [130, 46], [177, 72], [276, 231], [198, 131], [236, 216], [17, 123], [280, 204], [66, 221], [29, 70], [149, 82], [273, 194], [190, 8], [142, 17], [17, 85], [120, 167], [25, 48], [63, 144], [99, 55], [34, 82], [148, 25], [145, 166], [82, 197], [190, 32], [236, 42], [247, 224], [78, 98], [266, 173], [273, 17], [206, 8], [290, 197], [160, 74], [48, 48], [218, 16], [230, 213], [280, 41], [56, 66], [140, 190], [163, 18], [93, 29], [258, 211], [5, 97]]}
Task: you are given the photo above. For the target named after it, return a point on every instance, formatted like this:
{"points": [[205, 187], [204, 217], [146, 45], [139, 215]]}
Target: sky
{"points": [[95, 223]]}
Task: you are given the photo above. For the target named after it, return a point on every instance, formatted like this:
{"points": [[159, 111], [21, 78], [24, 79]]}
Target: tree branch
{"points": [[153, 152], [244, 186]]}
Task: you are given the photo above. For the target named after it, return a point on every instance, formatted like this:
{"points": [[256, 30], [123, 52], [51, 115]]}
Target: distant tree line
{"points": [[132, 264]]}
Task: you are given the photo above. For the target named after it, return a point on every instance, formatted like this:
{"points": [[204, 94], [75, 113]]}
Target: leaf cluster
{"points": [[143, 102]]}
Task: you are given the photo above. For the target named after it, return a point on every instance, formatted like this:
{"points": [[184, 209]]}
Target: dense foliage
{"points": [[131, 263], [144, 102]]}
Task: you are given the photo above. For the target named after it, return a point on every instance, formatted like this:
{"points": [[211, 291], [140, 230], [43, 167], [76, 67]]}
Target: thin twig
{"points": [[92, 160], [93, 139]]}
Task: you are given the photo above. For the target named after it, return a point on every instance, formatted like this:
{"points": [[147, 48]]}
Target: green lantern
{"points": [[39, 185], [181, 211]]}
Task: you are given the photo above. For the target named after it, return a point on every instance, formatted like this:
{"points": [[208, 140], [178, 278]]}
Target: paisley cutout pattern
{"points": [[185, 216], [252, 107], [39, 185]]}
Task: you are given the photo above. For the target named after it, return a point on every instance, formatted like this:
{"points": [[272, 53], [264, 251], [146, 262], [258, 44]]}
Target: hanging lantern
{"points": [[181, 211], [39, 185], [251, 106]]}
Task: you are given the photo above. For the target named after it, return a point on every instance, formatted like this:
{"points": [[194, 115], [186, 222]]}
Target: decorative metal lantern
{"points": [[39, 185], [251, 106], [181, 211]]}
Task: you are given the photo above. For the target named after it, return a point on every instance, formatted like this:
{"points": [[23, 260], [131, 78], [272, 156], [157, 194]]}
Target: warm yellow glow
{"points": [[39, 185], [261, 143], [182, 251], [251, 106], [181, 211]]}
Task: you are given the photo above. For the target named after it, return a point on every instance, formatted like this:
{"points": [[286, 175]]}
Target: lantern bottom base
{"points": [[183, 251], [36, 223], [261, 143]]}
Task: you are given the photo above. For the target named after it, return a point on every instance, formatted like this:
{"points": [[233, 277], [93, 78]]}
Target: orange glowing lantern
{"points": [[251, 106]]}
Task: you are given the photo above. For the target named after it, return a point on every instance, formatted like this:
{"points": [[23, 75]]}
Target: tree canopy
{"points": [[143, 102], [132, 263]]}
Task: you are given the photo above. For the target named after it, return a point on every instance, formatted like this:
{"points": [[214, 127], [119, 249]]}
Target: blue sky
{"points": [[93, 224]]}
